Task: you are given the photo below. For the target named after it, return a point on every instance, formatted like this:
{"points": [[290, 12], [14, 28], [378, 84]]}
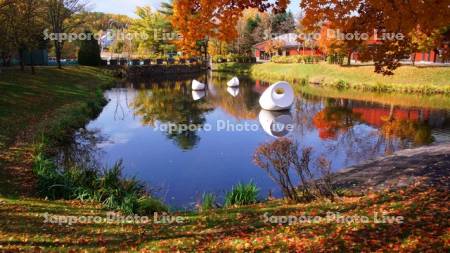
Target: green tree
{"points": [[248, 39], [282, 23], [89, 53], [157, 28]]}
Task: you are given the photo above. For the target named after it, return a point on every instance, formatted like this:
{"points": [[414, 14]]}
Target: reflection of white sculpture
{"points": [[233, 91], [276, 124], [234, 82], [198, 94], [196, 85], [279, 96]]}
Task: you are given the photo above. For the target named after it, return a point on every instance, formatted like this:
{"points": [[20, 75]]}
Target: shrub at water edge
{"points": [[108, 187], [242, 194], [208, 202]]}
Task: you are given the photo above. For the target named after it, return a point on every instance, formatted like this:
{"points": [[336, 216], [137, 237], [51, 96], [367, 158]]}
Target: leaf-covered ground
{"points": [[425, 227]]}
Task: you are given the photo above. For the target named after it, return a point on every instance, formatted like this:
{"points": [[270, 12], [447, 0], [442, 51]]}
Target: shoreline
{"points": [[51, 125], [427, 165], [406, 79]]}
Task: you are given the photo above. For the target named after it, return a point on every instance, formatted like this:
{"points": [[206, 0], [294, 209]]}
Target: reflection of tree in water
{"points": [[82, 151], [336, 118], [303, 113], [418, 132], [243, 106], [172, 104], [394, 129]]}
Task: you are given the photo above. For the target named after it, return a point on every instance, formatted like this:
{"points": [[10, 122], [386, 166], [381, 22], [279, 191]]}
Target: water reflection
{"points": [[336, 118], [233, 91], [83, 150], [197, 95], [189, 163], [172, 105], [276, 123]]}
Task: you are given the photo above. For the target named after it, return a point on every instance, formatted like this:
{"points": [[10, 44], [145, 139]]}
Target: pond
{"points": [[141, 125]]}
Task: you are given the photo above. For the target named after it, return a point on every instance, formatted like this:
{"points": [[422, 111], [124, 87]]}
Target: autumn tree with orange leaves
{"points": [[366, 16], [198, 20]]}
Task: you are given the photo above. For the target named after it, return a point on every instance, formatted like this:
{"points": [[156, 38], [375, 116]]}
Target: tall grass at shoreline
{"points": [[106, 186], [242, 194]]}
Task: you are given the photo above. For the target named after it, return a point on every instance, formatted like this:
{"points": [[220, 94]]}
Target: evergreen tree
{"points": [[89, 53], [248, 39], [283, 23]]}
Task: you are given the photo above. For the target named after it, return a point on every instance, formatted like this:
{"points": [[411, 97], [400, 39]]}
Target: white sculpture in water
{"points": [[198, 94], [279, 96], [276, 124], [234, 82], [233, 91], [196, 85]]}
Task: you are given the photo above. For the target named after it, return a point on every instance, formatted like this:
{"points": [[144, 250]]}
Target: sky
{"points": [[127, 7]]}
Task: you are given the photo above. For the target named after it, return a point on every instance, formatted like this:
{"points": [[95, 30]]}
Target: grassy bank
{"points": [[47, 106], [408, 79], [436, 101], [245, 229]]}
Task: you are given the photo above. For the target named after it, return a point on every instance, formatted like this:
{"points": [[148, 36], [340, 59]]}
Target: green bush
{"points": [[89, 53], [335, 59], [219, 59], [232, 57], [341, 84], [242, 194], [240, 58], [295, 59]]}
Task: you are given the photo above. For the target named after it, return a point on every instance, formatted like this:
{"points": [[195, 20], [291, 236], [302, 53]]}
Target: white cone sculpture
{"points": [[198, 94], [196, 85], [233, 91], [279, 96], [234, 82], [276, 124]]}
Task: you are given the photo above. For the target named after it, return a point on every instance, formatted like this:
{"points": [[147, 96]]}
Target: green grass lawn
{"points": [[26, 99], [435, 101], [31, 105], [405, 79], [244, 229]]}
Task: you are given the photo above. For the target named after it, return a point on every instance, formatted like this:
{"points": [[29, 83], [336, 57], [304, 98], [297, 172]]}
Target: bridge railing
{"points": [[147, 62]]}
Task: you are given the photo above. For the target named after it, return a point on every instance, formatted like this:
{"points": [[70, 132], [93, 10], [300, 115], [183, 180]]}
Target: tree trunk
{"points": [[349, 58], [391, 112], [33, 71], [58, 53], [4, 61], [21, 56]]}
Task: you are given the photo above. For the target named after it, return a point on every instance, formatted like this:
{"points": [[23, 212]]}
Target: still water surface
{"points": [[229, 125]]}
